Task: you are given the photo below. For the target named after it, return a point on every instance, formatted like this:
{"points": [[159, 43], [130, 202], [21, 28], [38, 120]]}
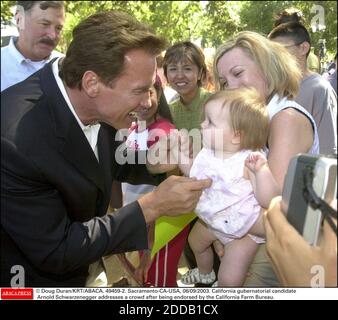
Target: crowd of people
{"points": [[212, 143]]}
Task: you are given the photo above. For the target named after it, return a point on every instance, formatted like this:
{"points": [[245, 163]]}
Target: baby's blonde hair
{"points": [[248, 115]]}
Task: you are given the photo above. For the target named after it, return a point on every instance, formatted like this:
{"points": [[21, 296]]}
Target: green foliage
{"points": [[209, 21], [6, 14], [223, 21], [258, 16]]}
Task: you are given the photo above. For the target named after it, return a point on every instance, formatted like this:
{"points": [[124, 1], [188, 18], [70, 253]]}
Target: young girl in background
{"points": [[152, 124]]}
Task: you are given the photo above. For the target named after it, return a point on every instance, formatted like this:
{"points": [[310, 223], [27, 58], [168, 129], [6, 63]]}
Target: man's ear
{"points": [[236, 138], [90, 83], [20, 18]]}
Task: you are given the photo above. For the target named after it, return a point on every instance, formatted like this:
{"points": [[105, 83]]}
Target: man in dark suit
{"points": [[58, 156]]}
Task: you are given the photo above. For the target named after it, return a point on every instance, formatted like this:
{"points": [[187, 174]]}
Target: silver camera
{"points": [[322, 172]]}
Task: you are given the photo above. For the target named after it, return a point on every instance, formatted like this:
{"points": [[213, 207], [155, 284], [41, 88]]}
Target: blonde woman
{"points": [[251, 60]]}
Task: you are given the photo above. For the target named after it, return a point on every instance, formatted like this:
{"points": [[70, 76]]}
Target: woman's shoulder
{"points": [[292, 129], [204, 94], [283, 109], [174, 101], [290, 116]]}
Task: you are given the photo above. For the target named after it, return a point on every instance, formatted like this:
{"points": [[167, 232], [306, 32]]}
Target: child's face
{"points": [[217, 133], [183, 77], [148, 113]]}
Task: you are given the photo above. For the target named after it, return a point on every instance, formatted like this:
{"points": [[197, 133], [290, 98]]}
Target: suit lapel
{"points": [[72, 142], [77, 150], [104, 146]]}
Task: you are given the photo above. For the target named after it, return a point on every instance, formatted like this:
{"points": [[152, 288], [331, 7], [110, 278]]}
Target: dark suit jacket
{"points": [[54, 192]]}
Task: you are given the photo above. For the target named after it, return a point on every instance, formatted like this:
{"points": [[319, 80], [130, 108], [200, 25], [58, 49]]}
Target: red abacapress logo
{"points": [[16, 293]]}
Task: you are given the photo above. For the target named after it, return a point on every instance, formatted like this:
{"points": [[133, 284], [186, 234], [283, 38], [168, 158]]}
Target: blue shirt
{"points": [[16, 68]]}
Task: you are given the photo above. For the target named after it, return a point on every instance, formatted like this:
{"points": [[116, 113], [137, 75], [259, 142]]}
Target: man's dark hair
{"points": [[292, 30], [100, 44], [44, 5]]}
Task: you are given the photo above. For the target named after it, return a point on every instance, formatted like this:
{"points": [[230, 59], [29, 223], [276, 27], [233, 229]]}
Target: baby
{"points": [[234, 131]]}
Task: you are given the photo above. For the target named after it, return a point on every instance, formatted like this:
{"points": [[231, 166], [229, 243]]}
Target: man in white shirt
{"points": [[39, 24]]}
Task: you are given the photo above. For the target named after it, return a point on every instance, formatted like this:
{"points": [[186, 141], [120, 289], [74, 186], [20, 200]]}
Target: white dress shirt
{"points": [[90, 131], [16, 68]]}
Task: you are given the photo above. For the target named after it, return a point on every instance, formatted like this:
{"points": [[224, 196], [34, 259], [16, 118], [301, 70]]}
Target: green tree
{"points": [[6, 14], [211, 22], [222, 20], [258, 16]]}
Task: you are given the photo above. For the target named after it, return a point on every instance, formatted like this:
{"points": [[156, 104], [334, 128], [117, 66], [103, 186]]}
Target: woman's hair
{"points": [[288, 15], [163, 108], [209, 84], [292, 30], [100, 44], [278, 66], [248, 115], [186, 51]]}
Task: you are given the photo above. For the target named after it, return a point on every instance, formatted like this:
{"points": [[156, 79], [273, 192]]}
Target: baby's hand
{"points": [[255, 161]]}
